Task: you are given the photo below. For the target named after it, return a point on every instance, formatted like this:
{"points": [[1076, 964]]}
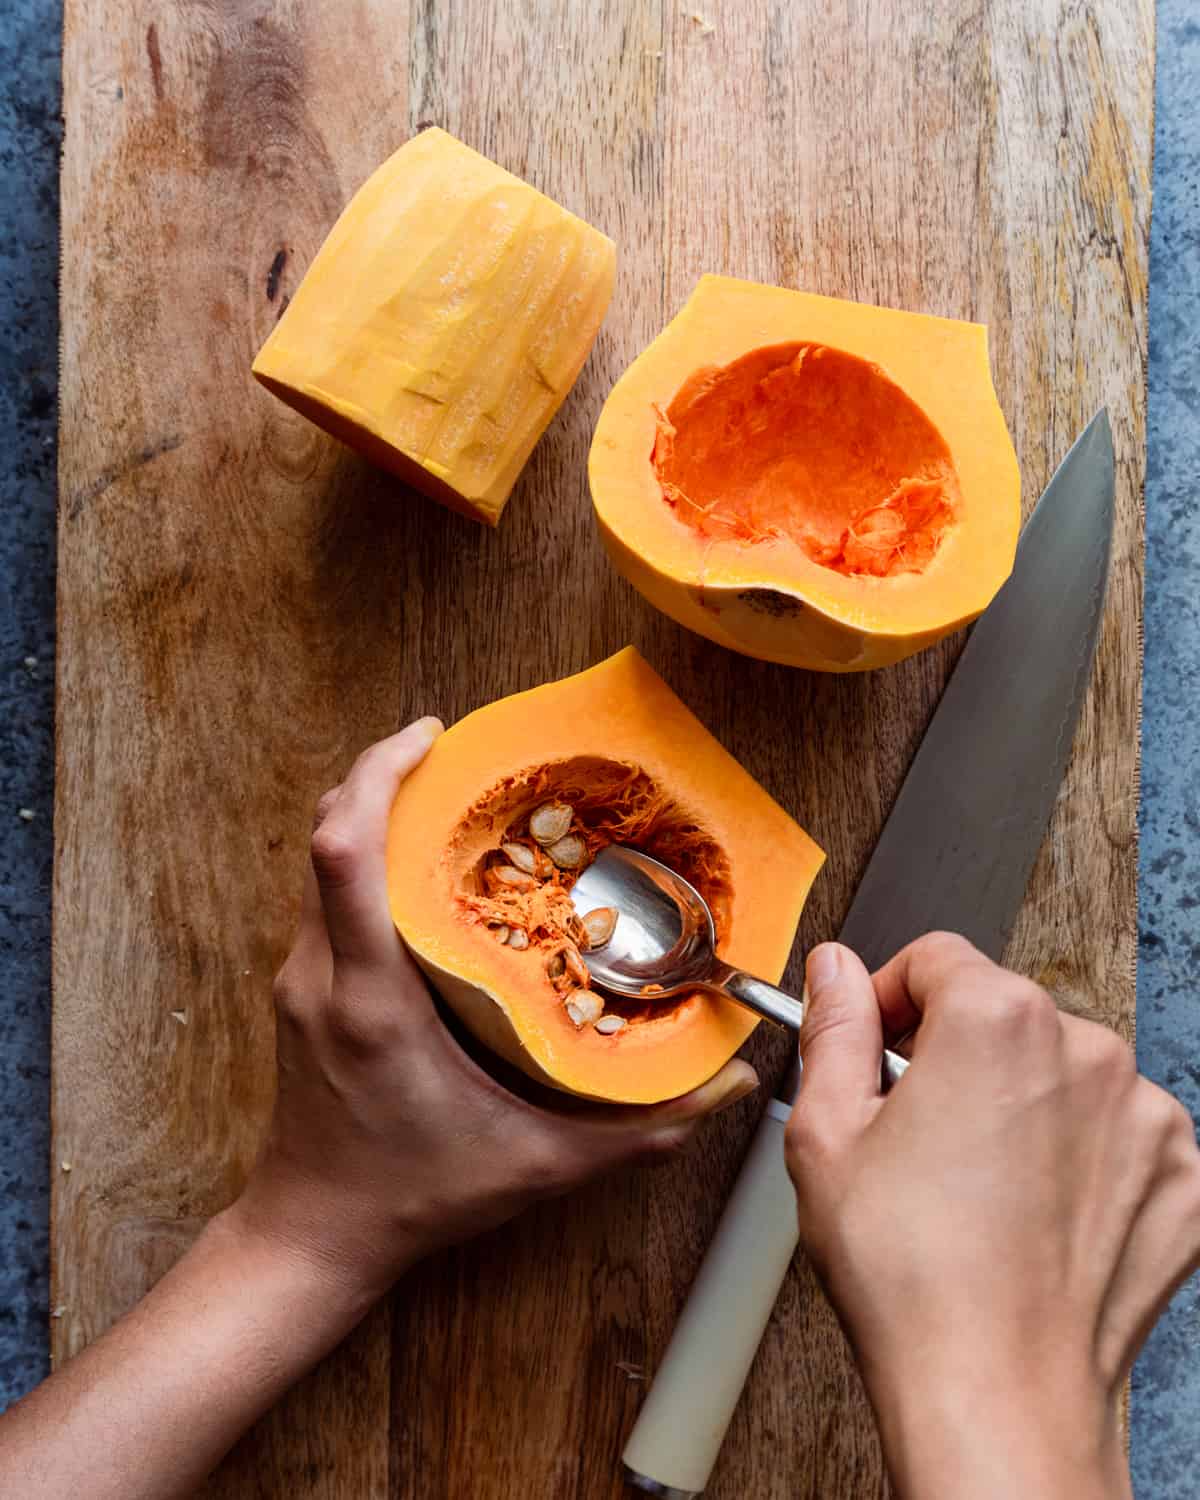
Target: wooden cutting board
{"points": [[243, 605]]}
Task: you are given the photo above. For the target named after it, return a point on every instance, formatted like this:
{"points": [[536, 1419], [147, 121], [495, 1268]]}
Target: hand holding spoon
{"points": [[664, 939]]}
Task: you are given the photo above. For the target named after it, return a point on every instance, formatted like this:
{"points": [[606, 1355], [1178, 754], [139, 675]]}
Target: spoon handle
{"points": [[759, 996], [774, 1005]]}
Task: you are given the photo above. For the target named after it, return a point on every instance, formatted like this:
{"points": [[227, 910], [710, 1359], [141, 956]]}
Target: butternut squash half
{"points": [[487, 835], [808, 480], [442, 322]]}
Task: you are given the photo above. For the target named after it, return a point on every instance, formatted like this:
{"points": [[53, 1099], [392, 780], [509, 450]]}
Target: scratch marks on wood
{"points": [[275, 272], [155, 56], [107, 477]]}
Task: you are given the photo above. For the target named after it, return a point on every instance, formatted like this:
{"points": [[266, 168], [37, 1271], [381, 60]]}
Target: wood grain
{"points": [[242, 605], [230, 633]]}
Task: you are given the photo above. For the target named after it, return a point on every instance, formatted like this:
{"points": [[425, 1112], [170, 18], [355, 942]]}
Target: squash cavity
{"points": [[514, 858], [812, 445]]}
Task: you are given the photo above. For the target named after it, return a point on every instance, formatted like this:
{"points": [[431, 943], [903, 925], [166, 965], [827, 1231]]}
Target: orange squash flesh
{"points": [[443, 322], [808, 480], [618, 746], [815, 445]]}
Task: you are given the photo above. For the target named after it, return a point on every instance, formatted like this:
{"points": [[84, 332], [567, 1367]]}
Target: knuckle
{"points": [[1018, 1005], [809, 1138], [1172, 1118], [939, 961], [667, 1144], [943, 948], [325, 805], [1112, 1057], [354, 1029], [1183, 1123], [335, 854], [367, 1019], [288, 994], [370, 762], [1191, 1206], [545, 1170]]}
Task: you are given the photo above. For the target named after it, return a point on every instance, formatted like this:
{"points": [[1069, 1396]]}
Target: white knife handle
{"points": [[675, 1440]]}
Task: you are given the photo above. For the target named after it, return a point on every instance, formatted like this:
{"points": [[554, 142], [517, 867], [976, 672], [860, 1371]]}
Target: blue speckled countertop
{"points": [[1166, 1409]]}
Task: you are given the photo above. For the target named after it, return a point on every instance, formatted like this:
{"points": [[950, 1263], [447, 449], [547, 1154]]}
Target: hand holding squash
{"points": [[388, 1140]]}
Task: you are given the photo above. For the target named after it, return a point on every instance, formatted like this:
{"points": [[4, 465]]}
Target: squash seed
{"points": [[610, 1025], [576, 967], [502, 933], [555, 966], [599, 925], [568, 853], [550, 822], [520, 856], [518, 938], [584, 1007], [510, 876]]}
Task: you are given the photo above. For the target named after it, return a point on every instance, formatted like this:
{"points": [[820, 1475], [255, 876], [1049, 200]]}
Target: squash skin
{"points": [[443, 322], [765, 599], [618, 711]]}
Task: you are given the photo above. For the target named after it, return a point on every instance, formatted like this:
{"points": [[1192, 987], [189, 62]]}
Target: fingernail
{"points": [[824, 965], [736, 1095], [430, 727]]}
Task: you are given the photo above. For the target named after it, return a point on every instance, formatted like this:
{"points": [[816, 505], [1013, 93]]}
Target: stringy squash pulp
{"points": [[486, 838]]}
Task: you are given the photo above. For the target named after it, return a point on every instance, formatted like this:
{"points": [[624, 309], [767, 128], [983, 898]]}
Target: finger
{"points": [[608, 1136], [1163, 1246], [349, 848], [310, 953], [1162, 1253], [325, 806], [924, 969], [311, 947], [841, 1040]]}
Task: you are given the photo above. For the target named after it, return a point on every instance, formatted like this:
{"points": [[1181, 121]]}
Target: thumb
{"points": [[617, 1135], [841, 1040]]}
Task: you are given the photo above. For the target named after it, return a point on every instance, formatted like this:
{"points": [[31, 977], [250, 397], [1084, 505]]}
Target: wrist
{"points": [[984, 1434], [322, 1289], [327, 1254]]}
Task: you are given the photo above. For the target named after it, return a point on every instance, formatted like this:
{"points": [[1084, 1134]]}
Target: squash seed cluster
{"points": [[545, 862]]}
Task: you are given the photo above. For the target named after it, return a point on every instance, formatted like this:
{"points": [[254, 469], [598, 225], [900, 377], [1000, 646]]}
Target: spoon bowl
{"points": [[664, 942], [664, 935]]}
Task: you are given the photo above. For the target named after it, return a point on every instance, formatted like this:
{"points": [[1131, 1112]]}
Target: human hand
{"points": [[388, 1140], [1000, 1232]]}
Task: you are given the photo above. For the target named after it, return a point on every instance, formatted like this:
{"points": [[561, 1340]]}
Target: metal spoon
{"points": [[664, 938]]}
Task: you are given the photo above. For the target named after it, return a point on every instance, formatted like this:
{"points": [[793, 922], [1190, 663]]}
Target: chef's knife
{"points": [[955, 854]]}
